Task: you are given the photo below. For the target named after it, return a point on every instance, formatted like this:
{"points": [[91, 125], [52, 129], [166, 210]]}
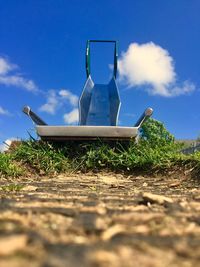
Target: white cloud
{"points": [[151, 66], [8, 78], [66, 94], [57, 99], [71, 117], [18, 81], [186, 88], [52, 103], [5, 66], [3, 148], [6, 144], [3, 111]]}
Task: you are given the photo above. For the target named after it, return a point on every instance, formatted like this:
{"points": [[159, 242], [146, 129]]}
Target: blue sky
{"points": [[42, 60]]}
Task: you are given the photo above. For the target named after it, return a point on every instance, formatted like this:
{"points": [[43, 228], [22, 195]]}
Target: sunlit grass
{"points": [[41, 156], [8, 166], [156, 151]]}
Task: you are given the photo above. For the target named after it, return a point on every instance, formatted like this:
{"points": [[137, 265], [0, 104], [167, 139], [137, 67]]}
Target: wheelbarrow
{"points": [[99, 106]]}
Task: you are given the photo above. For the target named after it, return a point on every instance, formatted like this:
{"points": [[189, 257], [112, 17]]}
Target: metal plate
{"points": [[86, 132], [99, 104]]}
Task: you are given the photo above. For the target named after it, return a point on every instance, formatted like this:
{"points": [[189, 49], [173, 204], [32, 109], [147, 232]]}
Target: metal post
{"points": [[35, 118]]}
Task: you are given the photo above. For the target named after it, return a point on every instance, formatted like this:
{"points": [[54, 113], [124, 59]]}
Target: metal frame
{"points": [[99, 104], [87, 61], [99, 127]]}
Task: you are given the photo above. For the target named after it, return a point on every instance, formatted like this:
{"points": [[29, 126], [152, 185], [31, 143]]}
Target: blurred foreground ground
{"points": [[100, 220]]}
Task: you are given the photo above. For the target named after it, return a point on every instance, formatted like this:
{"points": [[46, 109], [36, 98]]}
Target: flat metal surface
{"points": [[99, 110], [84, 101], [86, 132], [99, 104]]}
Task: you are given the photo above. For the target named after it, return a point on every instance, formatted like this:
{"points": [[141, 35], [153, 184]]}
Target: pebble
{"points": [[153, 198]]}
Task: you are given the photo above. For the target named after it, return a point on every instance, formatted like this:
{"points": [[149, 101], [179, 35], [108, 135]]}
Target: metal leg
{"points": [[35, 118], [147, 113]]}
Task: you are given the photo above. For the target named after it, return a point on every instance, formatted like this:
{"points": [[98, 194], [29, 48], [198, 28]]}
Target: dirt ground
{"points": [[100, 220]]}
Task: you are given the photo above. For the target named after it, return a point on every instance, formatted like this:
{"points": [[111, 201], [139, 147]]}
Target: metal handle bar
{"points": [[147, 113], [35, 118], [88, 55]]}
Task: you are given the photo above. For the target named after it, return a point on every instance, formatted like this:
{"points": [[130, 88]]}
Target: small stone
{"points": [[175, 184], [152, 198], [29, 188]]}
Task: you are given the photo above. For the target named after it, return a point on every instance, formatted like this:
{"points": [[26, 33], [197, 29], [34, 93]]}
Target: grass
{"points": [[156, 151], [8, 167], [51, 159], [41, 156], [12, 187]]}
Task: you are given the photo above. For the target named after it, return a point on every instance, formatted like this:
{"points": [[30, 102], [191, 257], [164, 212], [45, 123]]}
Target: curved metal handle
{"points": [[88, 55], [35, 118], [147, 113]]}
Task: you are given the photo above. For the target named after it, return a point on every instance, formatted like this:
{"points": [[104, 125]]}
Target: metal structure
{"points": [[99, 107], [99, 104]]}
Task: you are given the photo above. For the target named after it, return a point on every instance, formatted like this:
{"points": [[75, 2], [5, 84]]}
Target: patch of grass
{"points": [[49, 158], [156, 151], [144, 156], [8, 167], [41, 156], [12, 187]]}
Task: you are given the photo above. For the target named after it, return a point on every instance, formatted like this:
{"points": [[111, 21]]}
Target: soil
{"points": [[100, 220]]}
